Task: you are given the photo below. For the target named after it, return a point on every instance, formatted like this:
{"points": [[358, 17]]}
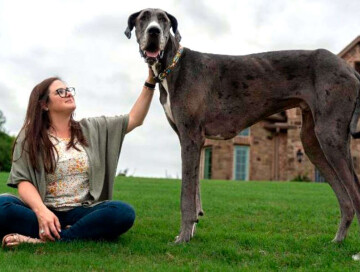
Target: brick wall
{"points": [[261, 153]]}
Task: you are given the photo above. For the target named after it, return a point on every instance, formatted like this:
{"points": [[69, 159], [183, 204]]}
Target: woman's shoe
{"points": [[14, 239]]}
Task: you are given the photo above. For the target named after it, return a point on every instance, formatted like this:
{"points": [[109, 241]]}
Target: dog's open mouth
{"points": [[153, 55], [152, 51]]}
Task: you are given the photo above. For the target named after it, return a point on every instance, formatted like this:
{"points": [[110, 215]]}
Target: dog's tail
{"points": [[355, 117]]}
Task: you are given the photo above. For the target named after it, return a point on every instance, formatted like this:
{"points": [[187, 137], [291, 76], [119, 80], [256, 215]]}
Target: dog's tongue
{"points": [[152, 54]]}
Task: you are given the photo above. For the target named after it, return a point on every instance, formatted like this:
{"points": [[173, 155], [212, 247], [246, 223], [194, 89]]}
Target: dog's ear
{"points": [[174, 25], [131, 24]]}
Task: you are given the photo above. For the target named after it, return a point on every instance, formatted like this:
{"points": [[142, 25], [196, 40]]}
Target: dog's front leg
{"points": [[199, 209], [190, 154]]}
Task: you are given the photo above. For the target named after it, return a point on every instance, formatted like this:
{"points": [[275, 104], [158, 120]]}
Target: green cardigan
{"points": [[104, 135]]}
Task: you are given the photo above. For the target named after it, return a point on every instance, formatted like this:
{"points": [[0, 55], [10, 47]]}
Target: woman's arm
{"points": [[48, 221], [141, 106]]}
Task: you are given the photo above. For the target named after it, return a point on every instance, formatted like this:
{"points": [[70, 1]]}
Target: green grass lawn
{"points": [[248, 226]]}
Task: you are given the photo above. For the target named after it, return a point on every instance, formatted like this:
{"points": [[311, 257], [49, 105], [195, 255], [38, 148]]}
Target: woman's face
{"points": [[58, 104]]}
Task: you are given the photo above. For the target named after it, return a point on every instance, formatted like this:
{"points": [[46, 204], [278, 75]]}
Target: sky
{"points": [[83, 42]]}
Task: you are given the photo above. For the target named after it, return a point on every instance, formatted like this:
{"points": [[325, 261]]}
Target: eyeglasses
{"points": [[64, 92]]}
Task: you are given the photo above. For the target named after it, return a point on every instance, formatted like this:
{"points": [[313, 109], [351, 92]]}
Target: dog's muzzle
{"points": [[152, 52]]}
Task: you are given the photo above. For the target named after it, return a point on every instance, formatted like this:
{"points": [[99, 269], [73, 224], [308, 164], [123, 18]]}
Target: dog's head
{"points": [[152, 29]]}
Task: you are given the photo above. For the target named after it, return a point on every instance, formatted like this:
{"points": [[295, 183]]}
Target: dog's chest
{"points": [[167, 104]]}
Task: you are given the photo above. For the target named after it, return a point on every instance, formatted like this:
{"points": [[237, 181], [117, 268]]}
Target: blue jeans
{"points": [[105, 221]]}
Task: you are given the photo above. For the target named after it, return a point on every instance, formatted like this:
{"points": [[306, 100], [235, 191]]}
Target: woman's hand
{"points": [[151, 76], [49, 225]]}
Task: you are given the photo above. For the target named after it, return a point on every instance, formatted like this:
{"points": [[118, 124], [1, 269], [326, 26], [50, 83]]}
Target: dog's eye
{"points": [[161, 18], [145, 16]]}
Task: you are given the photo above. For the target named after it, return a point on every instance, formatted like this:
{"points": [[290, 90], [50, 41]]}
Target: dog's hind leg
{"points": [[199, 209], [317, 157], [334, 140], [190, 155]]}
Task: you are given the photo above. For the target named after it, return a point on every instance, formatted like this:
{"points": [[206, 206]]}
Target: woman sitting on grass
{"points": [[64, 170]]}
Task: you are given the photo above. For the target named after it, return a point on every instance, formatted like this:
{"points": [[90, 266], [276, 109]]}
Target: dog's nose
{"points": [[154, 30]]}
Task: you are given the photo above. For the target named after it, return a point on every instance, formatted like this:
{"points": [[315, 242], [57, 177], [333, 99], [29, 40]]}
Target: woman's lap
{"points": [[106, 220]]}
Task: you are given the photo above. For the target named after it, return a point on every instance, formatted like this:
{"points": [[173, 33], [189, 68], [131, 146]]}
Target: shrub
{"points": [[300, 177], [6, 142]]}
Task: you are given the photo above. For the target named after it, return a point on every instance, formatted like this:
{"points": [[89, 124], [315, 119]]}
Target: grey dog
{"points": [[217, 96]]}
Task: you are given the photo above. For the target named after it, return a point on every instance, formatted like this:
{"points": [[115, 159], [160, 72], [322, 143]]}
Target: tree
{"points": [[2, 121], [6, 142]]}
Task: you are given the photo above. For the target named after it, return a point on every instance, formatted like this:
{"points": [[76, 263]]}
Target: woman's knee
{"points": [[7, 203], [6, 200], [123, 214]]}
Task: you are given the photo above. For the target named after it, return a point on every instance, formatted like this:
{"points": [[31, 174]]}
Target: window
{"points": [[207, 163], [318, 176], [241, 162], [245, 132]]}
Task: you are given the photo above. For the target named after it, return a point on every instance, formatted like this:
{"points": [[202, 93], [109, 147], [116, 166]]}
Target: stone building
{"points": [[270, 149]]}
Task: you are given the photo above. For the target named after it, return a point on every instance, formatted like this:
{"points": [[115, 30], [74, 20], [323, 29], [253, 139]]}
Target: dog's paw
{"points": [[340, 236], [186, 234], [182, 238], [337, 240]]}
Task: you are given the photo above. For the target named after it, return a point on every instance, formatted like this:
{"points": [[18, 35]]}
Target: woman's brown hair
{"points": [[36, 127]]}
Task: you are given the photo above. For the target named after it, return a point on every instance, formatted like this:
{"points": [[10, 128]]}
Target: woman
{"points": [[64, 170]]}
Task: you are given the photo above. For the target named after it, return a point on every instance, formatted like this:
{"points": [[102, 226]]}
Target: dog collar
{"points": [[161, 76]]}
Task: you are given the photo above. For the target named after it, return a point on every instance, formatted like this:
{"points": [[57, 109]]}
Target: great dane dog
{"points": [[217, 96]]}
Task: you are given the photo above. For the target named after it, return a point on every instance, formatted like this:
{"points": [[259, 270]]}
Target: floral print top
{"points": [[68, 186]]}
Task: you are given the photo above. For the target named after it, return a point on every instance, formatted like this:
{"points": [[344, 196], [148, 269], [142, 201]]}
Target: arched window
{"points": [[245, 132]]}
